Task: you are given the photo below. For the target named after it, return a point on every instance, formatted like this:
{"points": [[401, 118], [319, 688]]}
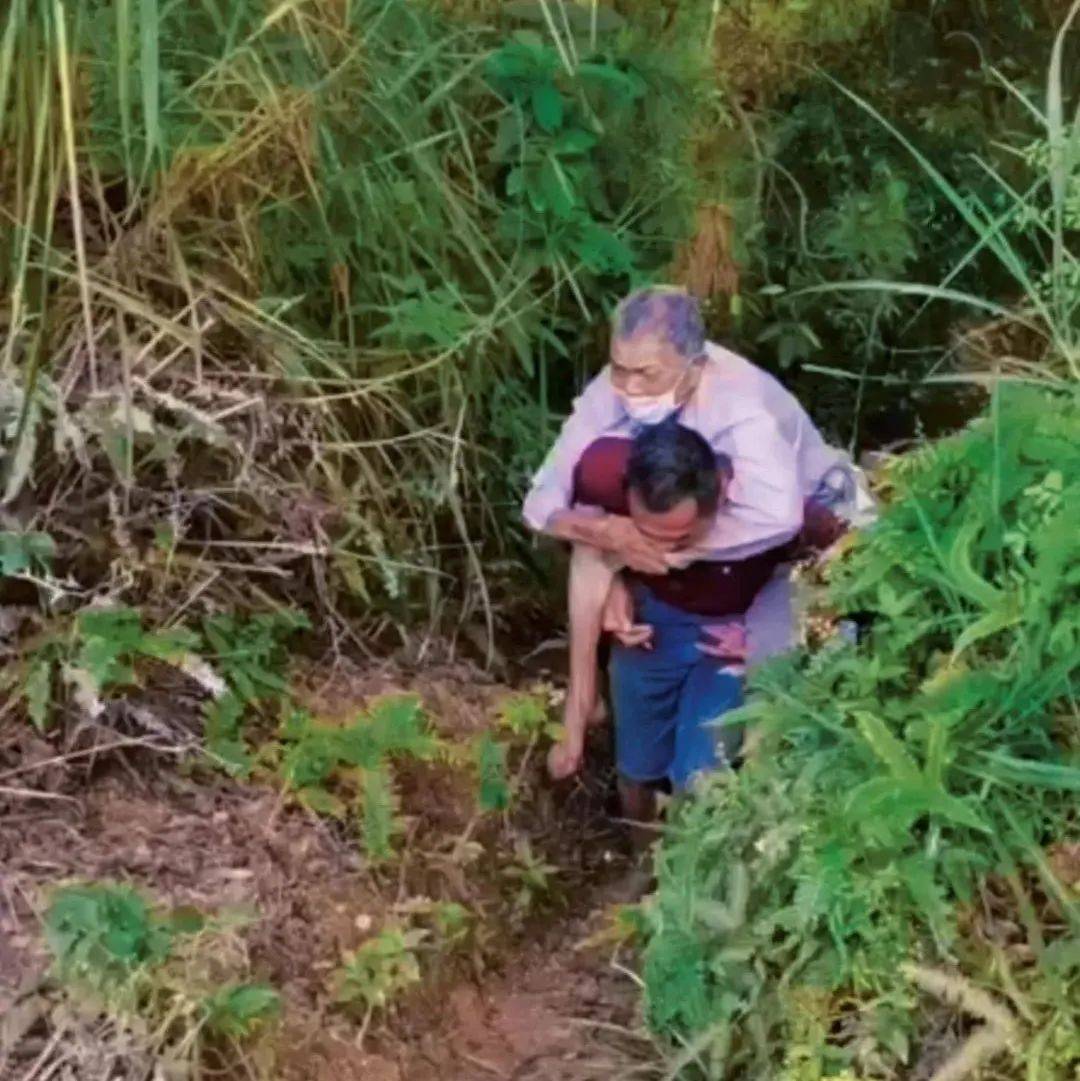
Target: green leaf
{"points": [[101, 933], [310, 761], [1031, 772], [38, 692], [896, 803], [235, 1011], [23, 552], [602, 252], [886, 746], [547, 106], [399, 727], [574, 141], [525, 715], [230, 755], [494, 791], [559, 194]]}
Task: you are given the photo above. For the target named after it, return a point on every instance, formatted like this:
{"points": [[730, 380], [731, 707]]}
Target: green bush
{"points": [[894, 774], [399, 231]]}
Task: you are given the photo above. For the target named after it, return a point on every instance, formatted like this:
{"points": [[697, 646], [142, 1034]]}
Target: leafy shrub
{"points": [[897, 773], [378, 218], [100, 934], [92, 655], [835, 186], [321, 760], [157, 973], [379, 970], [238, 1010]]}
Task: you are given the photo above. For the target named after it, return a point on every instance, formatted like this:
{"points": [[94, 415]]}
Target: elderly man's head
{"points": [[657, 334], [674, 484]]}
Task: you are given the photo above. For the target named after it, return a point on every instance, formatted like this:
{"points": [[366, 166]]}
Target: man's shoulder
{"points": [[737, 386], [726, 366]]}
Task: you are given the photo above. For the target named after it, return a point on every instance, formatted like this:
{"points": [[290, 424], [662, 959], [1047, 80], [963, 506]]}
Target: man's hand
{"points": [[617, 618], [564, 758], [725, 640], [625, 540]]}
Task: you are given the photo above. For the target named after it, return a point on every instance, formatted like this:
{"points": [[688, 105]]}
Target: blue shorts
{"points": [[664, 699]]}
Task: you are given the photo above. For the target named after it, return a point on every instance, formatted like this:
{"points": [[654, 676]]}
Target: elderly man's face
{"points": [[645, 366]]}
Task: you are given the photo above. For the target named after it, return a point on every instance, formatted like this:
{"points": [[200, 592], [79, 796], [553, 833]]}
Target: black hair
{"points": [[669, 463]]}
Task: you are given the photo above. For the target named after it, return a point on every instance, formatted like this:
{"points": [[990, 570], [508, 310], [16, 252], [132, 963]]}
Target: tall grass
{"points": [[1034, 239], [259, 305]]}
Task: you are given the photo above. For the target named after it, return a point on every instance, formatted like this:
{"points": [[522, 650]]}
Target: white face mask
{"points": [[651, 410]]}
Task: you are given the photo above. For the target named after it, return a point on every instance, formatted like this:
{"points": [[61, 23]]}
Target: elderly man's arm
{"points": [[549, 506], [763, 504]]}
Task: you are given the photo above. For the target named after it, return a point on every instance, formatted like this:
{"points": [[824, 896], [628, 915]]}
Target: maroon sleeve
{"points": [[600, 475]]}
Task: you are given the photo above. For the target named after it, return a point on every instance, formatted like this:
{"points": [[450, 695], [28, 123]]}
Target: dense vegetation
{"points": [[294, 297], [906, 788]]}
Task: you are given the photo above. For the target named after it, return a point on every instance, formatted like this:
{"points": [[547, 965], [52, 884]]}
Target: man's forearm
{"points": [[580, 527]]}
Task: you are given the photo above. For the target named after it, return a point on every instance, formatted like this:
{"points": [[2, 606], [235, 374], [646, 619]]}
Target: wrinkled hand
{"points": [[639, 553], [725, 640], [565, 757], [618, 618]]}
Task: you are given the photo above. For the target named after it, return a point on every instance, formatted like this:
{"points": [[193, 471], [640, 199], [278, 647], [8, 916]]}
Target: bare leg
{"points": [[591, 576]]}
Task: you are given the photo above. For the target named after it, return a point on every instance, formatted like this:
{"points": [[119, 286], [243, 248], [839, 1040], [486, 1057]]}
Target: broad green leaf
{"points": [[236, 1010], [559, 194], [25, 552], [547, 106], [574, 141]]}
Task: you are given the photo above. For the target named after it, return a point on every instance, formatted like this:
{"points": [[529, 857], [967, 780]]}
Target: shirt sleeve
{"points": [[552, 488], [764, 504]]}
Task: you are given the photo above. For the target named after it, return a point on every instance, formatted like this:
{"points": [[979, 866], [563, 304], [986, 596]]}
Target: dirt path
{"points": [[527, 1000]]}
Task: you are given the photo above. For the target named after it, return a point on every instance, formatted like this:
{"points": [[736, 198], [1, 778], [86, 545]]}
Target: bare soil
{"points": [[528, 999]]}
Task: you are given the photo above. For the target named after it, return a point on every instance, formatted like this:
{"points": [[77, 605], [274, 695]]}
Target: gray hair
{"points": [[664, 310]]}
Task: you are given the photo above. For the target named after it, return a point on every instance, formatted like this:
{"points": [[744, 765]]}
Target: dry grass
{"points": [[148, 385]]}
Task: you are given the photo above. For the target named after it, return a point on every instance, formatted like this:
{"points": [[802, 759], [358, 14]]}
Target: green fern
{"points": [[379, 822], [493, 791], [110, 639]]}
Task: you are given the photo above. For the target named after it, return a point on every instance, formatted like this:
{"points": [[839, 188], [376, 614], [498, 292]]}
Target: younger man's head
{"points": [[674, 484]]}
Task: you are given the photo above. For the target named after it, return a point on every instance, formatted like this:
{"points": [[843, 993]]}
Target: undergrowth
{"points": [[267, 279], [898, 776], [177, 980]]}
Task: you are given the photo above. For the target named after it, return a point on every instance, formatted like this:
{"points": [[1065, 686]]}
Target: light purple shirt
{"points": [[778, 457]]}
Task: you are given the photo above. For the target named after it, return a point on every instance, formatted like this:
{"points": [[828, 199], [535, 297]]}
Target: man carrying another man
{"points": [[629, 495]]}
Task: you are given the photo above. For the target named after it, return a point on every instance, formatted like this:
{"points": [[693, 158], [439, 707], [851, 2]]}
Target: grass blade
{"points": [[150, 78], [63, 62]]}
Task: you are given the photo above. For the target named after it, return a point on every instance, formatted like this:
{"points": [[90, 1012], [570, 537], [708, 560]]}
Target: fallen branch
{"points": [[996, 1035]]}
